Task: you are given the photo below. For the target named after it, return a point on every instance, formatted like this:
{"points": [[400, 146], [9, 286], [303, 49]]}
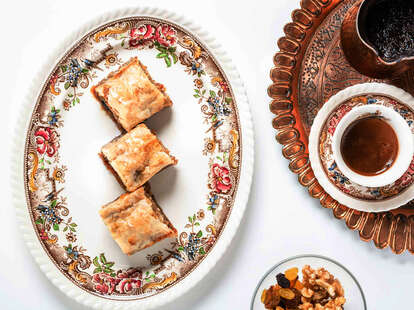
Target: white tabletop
{"points": [[281, 219]]}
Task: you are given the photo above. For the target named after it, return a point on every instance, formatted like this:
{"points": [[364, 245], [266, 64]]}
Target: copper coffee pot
{"points": [[359, 51]]}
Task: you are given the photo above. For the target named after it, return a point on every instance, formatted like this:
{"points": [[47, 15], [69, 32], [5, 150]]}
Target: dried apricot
{"points": [[298, 285], [287, 293], [279, 308], [292, 273], [263, 297]]}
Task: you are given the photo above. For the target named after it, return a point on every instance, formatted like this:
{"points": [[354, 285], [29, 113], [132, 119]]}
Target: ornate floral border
{"points": [[231, 222], [395, 228]]}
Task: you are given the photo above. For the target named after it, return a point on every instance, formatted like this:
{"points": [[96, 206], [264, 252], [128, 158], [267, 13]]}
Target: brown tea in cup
{"points": [[369, 146]]}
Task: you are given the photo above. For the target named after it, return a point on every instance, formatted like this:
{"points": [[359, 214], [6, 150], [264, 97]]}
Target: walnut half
{"points": [[307, 292], [306, 306]]}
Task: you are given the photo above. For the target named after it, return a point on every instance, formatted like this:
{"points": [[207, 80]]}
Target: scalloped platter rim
{"points": [[65, 183]]}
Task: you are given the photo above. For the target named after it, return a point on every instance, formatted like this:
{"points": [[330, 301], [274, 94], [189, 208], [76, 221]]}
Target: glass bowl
{"points": [[354, 295]]}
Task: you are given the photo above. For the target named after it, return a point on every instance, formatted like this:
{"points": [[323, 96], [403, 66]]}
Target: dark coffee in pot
{"points": [[389, 27]]}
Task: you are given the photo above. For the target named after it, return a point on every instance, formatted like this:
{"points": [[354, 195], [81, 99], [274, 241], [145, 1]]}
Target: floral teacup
{"points": [[405, 145]]}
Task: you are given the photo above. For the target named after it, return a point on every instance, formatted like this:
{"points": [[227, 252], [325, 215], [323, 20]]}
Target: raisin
{"points": [[287, 293], [271, 298], [282, 281], [291, 298]]}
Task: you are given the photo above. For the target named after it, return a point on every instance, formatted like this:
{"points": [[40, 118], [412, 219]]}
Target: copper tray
{"points": [[310, 68]]}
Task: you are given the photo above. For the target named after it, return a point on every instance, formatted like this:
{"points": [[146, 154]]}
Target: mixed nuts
{"points": [[318, 290]]}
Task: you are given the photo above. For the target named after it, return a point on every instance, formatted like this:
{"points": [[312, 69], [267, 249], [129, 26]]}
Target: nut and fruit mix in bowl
{"points": [[318, 290]]}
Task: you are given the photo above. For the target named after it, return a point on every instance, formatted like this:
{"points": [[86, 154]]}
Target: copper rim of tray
{"points": [[395, 228]]}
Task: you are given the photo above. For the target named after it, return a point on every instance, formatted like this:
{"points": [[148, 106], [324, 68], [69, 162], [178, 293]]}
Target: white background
{"points": [[281, 219]]}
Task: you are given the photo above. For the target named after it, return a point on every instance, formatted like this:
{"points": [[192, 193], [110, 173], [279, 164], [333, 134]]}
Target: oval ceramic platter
{"points": [[208, 129]]}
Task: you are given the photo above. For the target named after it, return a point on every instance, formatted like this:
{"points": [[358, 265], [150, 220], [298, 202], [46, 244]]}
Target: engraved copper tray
{"points": [[310, 68]]}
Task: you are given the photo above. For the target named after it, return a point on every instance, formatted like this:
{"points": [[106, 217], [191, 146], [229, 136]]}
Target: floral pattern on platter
{"points": [[330, 167], [194, 243], [106, 281], [162, 37], [74, 75], [45, 175]]}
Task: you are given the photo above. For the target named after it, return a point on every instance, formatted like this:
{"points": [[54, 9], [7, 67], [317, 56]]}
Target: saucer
{"points": [[330, 177]]}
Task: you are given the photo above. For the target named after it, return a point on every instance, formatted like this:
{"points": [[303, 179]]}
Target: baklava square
{"points": [[136, 156], [136, 222], [131, 95]]}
